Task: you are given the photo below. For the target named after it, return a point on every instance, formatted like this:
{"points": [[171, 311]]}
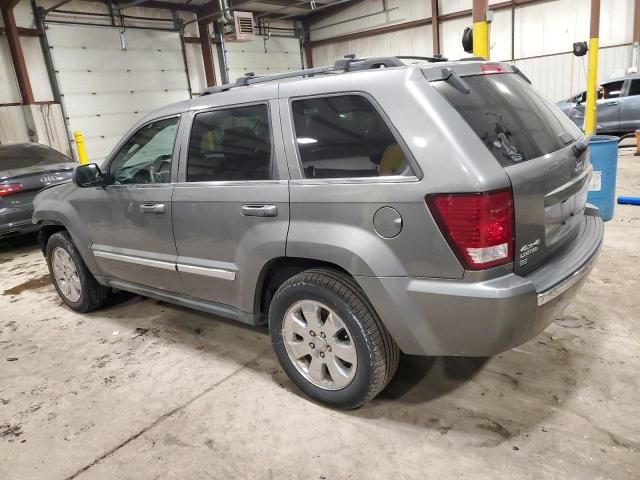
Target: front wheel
{"points": [[329, 340], [71, 277]]}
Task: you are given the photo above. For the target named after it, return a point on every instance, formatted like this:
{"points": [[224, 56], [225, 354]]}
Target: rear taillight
{"points": [[478, 226], [9, 188]]}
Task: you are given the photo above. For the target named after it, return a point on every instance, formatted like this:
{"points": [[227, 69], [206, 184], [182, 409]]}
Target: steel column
{"points": [[207, 54], [480, 29], [435, 27], [17, 55]]}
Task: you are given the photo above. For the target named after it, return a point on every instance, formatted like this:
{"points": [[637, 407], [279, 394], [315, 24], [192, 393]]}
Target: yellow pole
{"points": [[592, 70], [82, 153], [480, 29]]}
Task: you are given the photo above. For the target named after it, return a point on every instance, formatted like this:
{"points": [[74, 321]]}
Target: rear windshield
{"points": [[513, 120], [27, 155]]}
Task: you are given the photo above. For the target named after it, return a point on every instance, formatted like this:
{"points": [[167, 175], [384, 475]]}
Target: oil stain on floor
{"points": [[31, 284]]}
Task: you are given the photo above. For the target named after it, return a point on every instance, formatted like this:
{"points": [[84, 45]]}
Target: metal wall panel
{"points": [[105, 88], [276, 55], [414, 41]]}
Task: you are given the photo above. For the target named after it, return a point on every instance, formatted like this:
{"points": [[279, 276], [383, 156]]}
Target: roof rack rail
{"points": [[349, 63], [435, 58]]}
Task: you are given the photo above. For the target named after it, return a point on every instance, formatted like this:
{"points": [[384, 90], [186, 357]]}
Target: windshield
{"points": [[25, 155], [512, 119]]}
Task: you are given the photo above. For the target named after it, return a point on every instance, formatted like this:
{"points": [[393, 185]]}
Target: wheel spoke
{"points": [[345, 351], [315, 369], [339, 373], [297, 324], [298, 349], [311, 313], [333, 325]]}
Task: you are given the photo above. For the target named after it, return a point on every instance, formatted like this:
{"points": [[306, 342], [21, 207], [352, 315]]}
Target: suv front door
{"points": [[130, 219], [608, 107], [231, 203]]}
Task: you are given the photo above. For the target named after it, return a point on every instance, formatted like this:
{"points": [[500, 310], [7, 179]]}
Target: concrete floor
{"points": [[146, 390]]}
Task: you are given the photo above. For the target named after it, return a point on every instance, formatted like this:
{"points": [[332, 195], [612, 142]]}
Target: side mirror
{"points": [[88, 175]]}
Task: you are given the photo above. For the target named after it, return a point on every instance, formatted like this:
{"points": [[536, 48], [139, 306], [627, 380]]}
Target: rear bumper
{"points": [[14, 221], [483, 318]]}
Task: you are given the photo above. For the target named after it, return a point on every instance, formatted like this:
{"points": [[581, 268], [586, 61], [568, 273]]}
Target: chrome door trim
{"points": [[136, 260], [207, 272]]}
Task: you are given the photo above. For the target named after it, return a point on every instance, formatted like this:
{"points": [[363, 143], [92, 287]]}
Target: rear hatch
{"points": [[539, 148]]}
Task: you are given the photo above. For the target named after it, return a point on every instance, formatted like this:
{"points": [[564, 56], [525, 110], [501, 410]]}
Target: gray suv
{"points": [[359, 211], [618, 106]]}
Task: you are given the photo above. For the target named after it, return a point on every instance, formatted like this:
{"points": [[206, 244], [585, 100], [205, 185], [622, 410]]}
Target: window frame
{"points": [[184, 159], [417, 171], [174, 154]]}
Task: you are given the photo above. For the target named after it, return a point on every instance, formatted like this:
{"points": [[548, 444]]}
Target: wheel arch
{"points": [[277, 271]]}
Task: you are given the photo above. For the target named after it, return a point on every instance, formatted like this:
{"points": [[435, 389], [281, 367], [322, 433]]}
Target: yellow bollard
{"points": [[82, 153], [637, 154]]}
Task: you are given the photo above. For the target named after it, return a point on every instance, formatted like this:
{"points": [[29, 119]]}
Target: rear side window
{"points": [[512, 119], [344, 137], [230, 144], [634, 88]]}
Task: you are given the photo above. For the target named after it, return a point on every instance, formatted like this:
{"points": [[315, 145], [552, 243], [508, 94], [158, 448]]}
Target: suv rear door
{"points": [[533, 141], [231, 202]]}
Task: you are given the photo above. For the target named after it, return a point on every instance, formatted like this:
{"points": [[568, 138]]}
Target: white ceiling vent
{"points": [[243, 28]]}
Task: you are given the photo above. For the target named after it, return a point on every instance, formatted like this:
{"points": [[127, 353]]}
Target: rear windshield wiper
{"points": [[506, 147]]}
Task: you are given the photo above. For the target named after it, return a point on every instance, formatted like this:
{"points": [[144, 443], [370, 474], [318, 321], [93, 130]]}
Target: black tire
{"points": [[92, 294], [376, 352]]}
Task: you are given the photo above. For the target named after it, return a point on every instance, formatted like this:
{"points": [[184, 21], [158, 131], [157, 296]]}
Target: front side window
{"points": [[146, 156], [611, 90], [344, 136], [230, 144]]}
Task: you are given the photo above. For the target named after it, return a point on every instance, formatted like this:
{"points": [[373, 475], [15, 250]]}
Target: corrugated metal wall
{"points": [[543, 33]]}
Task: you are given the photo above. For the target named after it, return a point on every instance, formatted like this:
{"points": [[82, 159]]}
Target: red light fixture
{"points": [[9, 188], [477, 226]]}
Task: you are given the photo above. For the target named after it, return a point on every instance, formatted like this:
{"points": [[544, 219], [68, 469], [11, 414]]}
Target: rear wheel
{"points": [[71, 277], [329, 340]]}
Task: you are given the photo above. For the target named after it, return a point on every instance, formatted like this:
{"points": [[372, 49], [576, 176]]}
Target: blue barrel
{"points": [[603, 151]]}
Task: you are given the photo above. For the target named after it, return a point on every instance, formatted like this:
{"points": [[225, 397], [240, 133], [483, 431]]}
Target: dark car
{"points": [[25, 169]]}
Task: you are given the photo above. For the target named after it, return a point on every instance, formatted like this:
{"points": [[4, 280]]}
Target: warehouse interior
{"points": [[145, 388]]}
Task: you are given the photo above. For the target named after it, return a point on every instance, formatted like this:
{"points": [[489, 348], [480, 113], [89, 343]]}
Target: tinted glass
{"points": [[25, 155], [344, 136], [512, 119], [146, 156], [612, 89], [634, 89], [231, 144]]}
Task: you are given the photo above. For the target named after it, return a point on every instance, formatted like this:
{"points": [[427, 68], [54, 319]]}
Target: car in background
{"points": [[25, 169], [618, 106]]}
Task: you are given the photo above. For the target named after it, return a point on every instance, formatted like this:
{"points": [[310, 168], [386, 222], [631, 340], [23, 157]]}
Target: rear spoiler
{"points": [[445, 71]]}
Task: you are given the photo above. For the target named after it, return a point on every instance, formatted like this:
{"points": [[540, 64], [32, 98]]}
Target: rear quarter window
{"points": [[344, 136], [513, 120]]}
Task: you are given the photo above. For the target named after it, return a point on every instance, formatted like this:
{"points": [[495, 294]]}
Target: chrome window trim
{"points": [[136, 260], [356, 180], [230, 183], [207, 271]]}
